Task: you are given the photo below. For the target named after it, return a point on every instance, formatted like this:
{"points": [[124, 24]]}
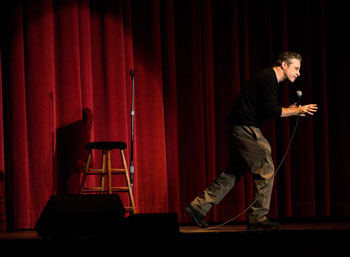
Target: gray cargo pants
{"points": [[248, 149]]}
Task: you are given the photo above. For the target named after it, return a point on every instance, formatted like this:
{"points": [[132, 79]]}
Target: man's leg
{"points": [[263, 184], [214, 193], [256, 150], [263, 180]]}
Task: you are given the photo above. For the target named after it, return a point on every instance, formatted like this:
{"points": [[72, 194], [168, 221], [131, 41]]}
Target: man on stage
{"points": [[256, 103]]}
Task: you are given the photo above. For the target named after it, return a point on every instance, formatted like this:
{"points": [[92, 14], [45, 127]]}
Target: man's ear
{"points": [[284, 65]]}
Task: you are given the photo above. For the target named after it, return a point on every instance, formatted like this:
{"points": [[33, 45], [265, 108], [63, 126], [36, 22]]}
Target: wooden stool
{"points": [[106, 148]]}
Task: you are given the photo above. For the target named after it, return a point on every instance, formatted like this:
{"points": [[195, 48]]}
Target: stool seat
{"points": [[107, 145]]}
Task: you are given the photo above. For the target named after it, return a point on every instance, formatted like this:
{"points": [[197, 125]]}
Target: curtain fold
{"points": [[170, 105], [17, 195], [2, 161], [65, 81]]}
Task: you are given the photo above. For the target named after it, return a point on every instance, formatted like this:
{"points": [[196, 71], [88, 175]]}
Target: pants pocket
{"points": [[251, 132]]}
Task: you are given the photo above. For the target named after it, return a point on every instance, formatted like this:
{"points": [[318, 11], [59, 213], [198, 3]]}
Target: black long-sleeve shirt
{"points": [[257, 101]]}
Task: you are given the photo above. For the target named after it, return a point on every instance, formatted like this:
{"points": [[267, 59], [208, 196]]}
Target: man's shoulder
{"points": [[262, 76], [266, 72]]}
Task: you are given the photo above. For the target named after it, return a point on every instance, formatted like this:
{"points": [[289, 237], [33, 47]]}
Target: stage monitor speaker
{"points": [[155, 224], [82, 215]]}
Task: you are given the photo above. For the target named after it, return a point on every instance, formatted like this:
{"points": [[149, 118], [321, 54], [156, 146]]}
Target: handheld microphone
{"points": [[299, 94]]}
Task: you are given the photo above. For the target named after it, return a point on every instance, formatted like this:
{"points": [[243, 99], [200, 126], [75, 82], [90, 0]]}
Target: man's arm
{"points": [[301, 110]]}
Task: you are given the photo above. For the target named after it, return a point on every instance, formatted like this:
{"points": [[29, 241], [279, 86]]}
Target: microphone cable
{"points": [[273, 176]]}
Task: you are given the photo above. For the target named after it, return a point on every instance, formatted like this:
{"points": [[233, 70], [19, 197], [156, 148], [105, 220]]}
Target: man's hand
{"points": [[301, 110], [307, 109]]}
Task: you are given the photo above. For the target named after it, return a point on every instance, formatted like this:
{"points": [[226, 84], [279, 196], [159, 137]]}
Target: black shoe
{"points": [[196, 217], [264, 225]]}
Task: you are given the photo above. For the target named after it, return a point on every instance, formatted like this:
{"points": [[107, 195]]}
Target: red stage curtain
{"points": [[65, 81]]}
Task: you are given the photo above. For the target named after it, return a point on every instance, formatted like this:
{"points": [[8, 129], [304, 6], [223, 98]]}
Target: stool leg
{"points": [[109, 172], [87, 166], [128, 182], [103, 167]]}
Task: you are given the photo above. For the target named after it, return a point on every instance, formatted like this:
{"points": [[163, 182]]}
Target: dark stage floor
{"points": [[293, 239]]}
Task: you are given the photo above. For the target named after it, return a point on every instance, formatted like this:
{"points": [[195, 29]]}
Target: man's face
{"points": [[292, 71]]}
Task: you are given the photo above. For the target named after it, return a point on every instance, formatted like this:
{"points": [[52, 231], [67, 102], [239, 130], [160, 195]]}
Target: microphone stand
{"points": [[132, 132]]}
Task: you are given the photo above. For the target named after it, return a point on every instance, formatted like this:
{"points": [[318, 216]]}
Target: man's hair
{"points": [[287, 56]]}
